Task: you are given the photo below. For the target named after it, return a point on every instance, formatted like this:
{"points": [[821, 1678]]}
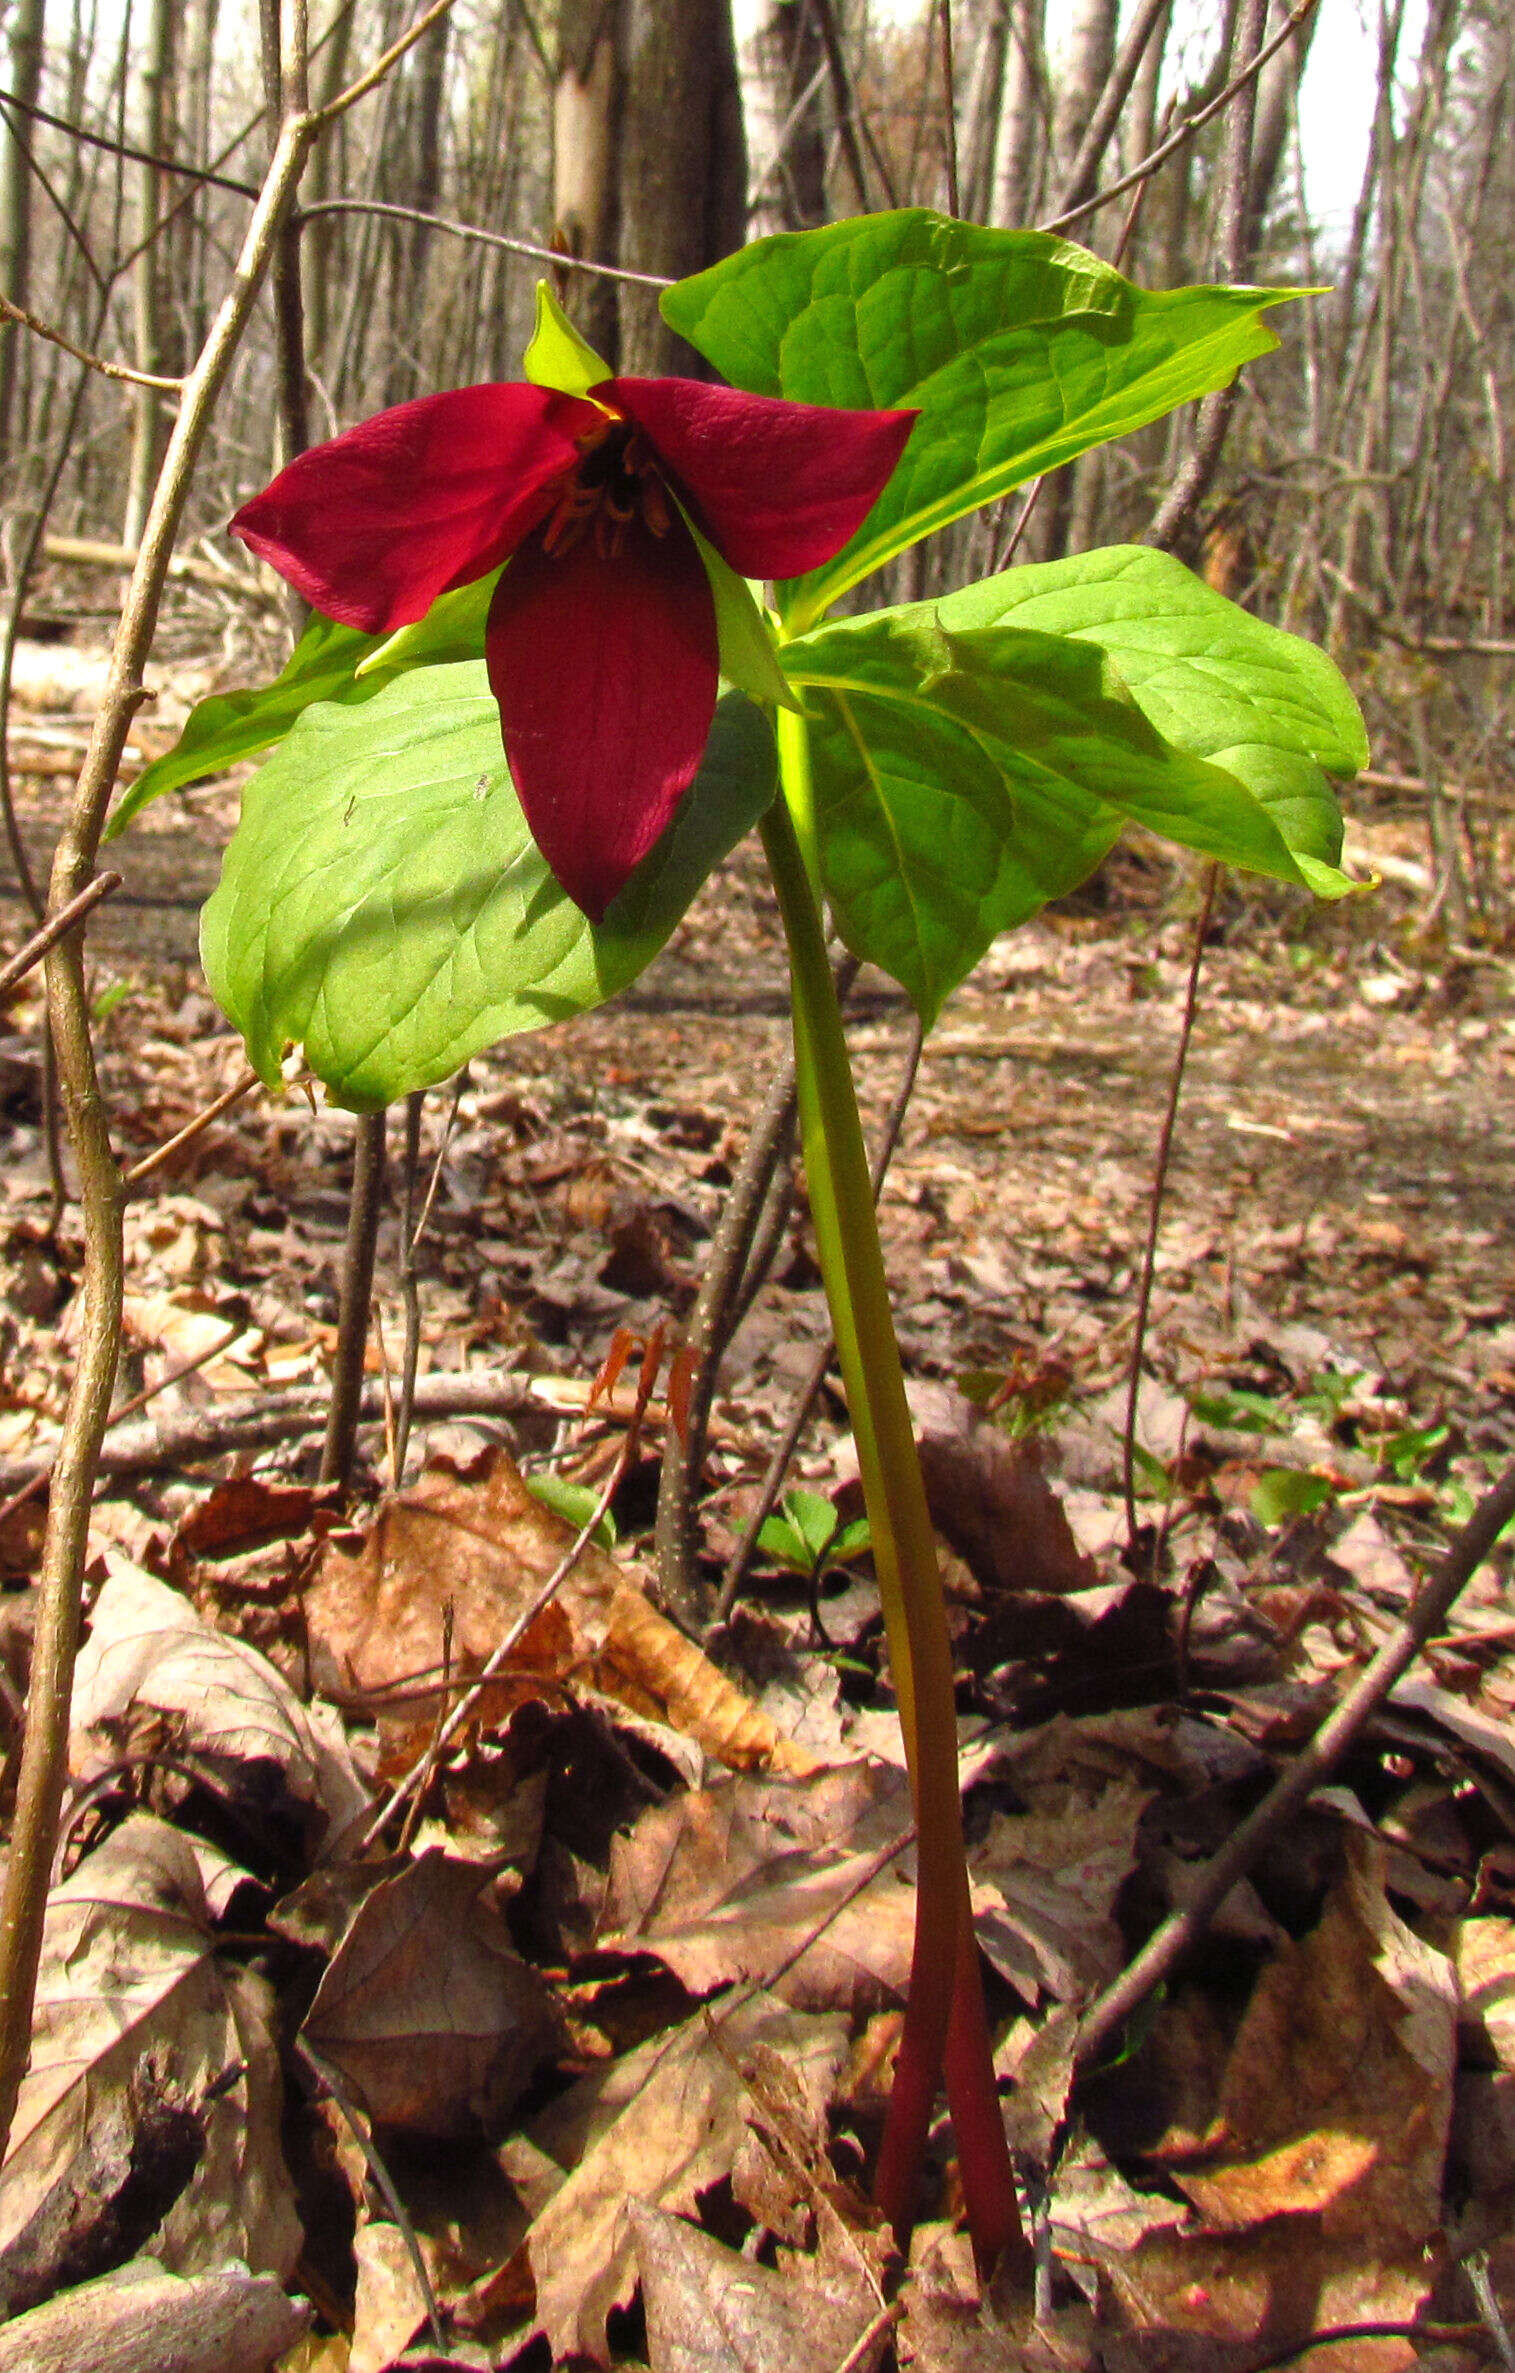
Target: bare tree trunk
{"points": [[650, 164], [16, 191], [586, 102], [1022, 116], [783, 77], [1083, 72], [1277, 91], [148, 429], [422, 190]]}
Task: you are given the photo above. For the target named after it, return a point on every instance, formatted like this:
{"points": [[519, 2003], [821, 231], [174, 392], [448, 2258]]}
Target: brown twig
{"points": [[332, 2079], [375, 74], [1197, 472], [40, 1780], [1156, 1197], [124, 148], [191, 1129], [471, 230], [1188, 128], [34, 949], [263, 1418], [33, 1485], [949, 104], [94, 362], [363, 1214], [706, 1335], [1181, 1930]]}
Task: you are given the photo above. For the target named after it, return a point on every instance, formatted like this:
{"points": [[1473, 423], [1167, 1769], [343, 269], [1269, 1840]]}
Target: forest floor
{"points": [[1316, 2128]]}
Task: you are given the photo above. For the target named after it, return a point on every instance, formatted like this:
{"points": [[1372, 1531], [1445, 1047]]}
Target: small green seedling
{"points": [[809, 1539]]}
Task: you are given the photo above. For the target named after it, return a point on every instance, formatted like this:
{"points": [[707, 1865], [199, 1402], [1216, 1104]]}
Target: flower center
{"points": [[616, 482]]}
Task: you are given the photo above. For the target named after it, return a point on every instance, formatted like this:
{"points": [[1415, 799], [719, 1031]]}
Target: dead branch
{"points": [[34, 949], [188, 1437], [143, 2320]]}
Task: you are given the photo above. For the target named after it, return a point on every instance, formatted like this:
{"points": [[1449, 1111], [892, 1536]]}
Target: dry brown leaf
{"points": [[1205, 2302], [709, 2310], [425, 2008], [185, 1325], [148, 1650], [991, 1499], [1484, 1951], [649, 1664], [1337, 2094], [659, 2126], [132, 2004], [725, 1883], [1046, 1886], [479, 1545]]}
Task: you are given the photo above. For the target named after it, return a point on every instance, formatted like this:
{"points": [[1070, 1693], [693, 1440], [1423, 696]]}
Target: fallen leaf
{"points": [[132, 2000], [145, 2315], [149, 1650], [425, 2008], [1207, 2303], [477, 1544], [659, 2125], [646, 1658], [950, 2325], [710, 2310], [1046, 1887], [726, 1883], [991, 1498], [1337, 2094]]}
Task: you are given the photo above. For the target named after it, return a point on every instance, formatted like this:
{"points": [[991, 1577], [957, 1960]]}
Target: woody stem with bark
{"points": [[944, 2019], [40, 1781]]}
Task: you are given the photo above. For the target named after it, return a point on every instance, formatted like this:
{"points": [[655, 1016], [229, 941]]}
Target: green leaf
{"points": [[749, 656], [814, 1519], [964, 779], [383, 903], [1282, 1492], [233, 726], [1272, 710], [782, 1543], [1019, 351], [575, 1503], [452, 629], [330, 663]]}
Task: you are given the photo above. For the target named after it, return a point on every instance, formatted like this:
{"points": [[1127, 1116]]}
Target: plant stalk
{"points": [[944, 2019]]}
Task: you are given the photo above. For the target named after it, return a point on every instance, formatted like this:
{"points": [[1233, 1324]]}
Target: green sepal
{"points": [[748, 655], [557, 356], [452, 629]]}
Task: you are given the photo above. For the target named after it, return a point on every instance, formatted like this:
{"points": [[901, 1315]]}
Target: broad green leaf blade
{"points": [[964, 779], [233, 726], [1019, 350], [383, 903], [330, 663], [1271, 709]]}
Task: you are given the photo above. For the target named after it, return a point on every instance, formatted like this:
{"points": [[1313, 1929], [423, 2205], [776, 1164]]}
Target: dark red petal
{"points": [[605, 672], [777, 487], [372, 527]]}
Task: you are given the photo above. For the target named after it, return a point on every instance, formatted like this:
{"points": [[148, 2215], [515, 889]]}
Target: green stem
{"points": [[945, 2014]]}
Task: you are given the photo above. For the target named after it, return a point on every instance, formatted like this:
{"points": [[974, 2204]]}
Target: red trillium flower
{"points": [[613, 508]]}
